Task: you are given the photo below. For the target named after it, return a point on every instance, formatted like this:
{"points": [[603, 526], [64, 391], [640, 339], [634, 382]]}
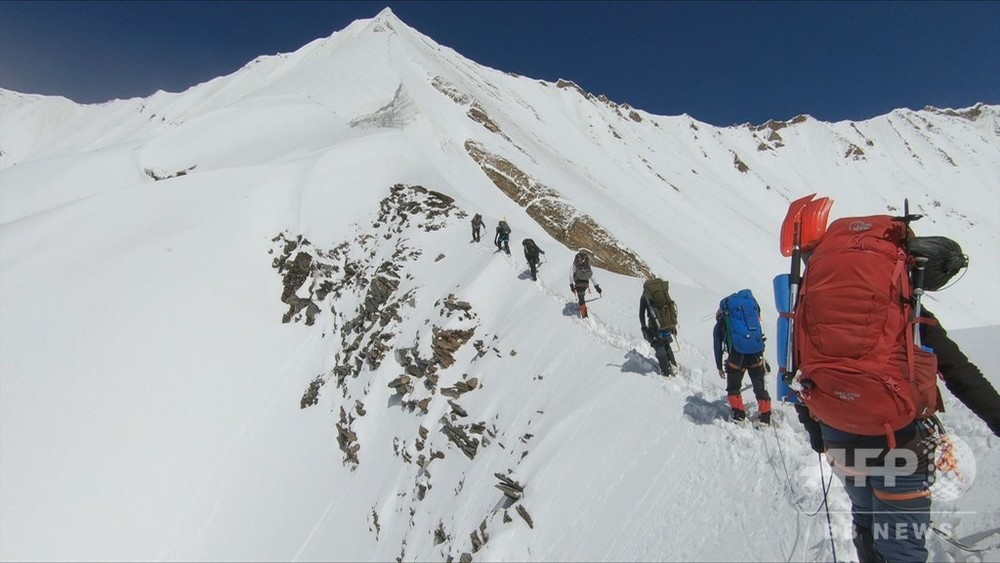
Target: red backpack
{"points": [[854, 323]]}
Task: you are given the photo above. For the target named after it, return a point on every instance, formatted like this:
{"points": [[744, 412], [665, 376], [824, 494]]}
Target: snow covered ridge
{"points": [[854, 142]]}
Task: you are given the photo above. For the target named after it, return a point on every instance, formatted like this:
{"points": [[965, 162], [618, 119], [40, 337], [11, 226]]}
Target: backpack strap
{"points": [[899, 276], [890, 436]]}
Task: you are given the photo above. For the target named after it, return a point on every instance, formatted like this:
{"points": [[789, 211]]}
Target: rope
{"points": [[825, 486], [788, 479], [965, 270], [829, 523], [960, 545]]}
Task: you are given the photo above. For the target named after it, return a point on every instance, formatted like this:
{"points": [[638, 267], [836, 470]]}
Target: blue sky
{"points": [[721, 62]]}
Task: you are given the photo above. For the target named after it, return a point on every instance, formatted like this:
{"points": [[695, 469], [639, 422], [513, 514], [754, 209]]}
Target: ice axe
{"points": [[918, 292], [920, 265]]}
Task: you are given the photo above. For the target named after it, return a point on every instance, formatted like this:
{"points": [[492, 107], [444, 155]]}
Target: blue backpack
{"points": [[742, 314]]}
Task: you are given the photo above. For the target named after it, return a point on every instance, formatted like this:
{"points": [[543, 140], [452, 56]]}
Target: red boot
{"points": [[583, 310], [765, 412], [739, 411]]}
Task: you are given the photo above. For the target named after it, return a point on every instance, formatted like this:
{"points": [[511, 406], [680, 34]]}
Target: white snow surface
{"points": [[150, 394]]}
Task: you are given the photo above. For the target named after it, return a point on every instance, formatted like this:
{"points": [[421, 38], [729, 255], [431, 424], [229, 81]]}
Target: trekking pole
{"points": [[795, 279], [921, 264]]}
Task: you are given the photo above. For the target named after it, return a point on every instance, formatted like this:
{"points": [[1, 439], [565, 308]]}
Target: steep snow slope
{"points": [[150, 400]]}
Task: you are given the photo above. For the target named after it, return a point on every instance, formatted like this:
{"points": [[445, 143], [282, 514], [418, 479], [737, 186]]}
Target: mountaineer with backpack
{"points": [[531, 254], [738, 331], [477, 223], [658, 319], [502, 238], [868, 358], [580, 278]]}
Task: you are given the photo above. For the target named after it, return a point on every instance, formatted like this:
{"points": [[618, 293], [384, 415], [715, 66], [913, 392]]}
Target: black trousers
{"points": [[737, 365], [664, 354]]}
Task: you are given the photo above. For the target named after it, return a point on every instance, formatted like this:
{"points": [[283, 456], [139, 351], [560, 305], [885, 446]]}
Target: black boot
{"points": [[864, 541]]}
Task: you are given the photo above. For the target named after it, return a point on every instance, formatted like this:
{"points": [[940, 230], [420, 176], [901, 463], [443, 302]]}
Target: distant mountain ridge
{"points": [[382, 74]]}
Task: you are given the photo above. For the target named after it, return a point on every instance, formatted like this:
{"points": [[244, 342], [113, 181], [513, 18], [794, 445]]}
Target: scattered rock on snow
{"points": [[511, 488], [524, 514]]}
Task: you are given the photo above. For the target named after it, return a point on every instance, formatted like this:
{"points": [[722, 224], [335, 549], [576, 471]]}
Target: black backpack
{"points": [[477, 219], [530, 250], [581, 266], [944, 259], [504, 228]]}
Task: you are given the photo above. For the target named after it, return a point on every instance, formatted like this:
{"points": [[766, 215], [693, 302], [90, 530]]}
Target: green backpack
{"points": [[657, 295]]}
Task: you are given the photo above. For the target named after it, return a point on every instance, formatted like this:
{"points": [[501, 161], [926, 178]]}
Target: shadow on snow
{"points": [[702, 411]]}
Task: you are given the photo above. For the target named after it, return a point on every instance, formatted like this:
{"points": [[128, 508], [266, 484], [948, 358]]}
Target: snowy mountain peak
{"points": [[386, 20]]}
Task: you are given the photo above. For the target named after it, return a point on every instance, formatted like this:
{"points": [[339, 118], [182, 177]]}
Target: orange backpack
{"points": [[859, 367]]}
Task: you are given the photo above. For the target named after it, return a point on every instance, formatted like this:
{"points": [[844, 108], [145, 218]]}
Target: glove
{"points": [[816, 441], [722, 373], [788, 377], [812, 428], [572, 288], [647, 334], [598, 288], [767, 367]]}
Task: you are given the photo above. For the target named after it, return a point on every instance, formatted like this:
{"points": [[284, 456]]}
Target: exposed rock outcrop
{"points": [[558, 217], [458, 436], [446, 342], [854, 152], [359, 291], [739, 164], [510, 488], [972, 114]]}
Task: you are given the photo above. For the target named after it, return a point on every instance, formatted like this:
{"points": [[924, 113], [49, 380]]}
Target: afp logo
{"points": [[859, 226]]}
